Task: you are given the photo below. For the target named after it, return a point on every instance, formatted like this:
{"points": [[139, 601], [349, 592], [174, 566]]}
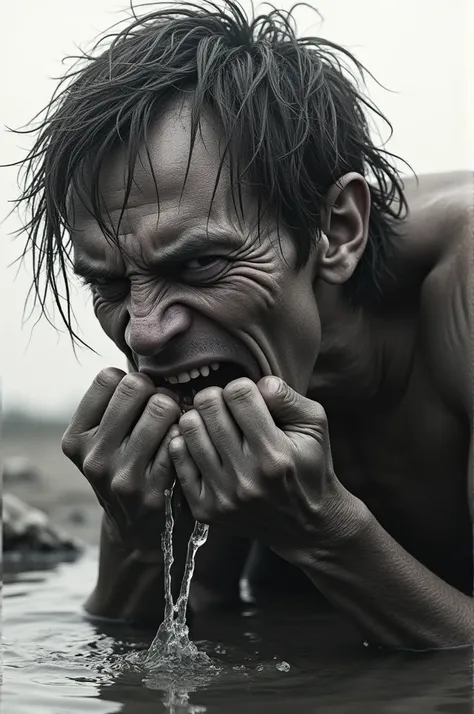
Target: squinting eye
{"points": [[197, 263], [112, 289]]}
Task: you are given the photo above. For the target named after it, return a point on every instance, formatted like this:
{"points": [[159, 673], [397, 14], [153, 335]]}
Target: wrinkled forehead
{"points": [[186, 180]]}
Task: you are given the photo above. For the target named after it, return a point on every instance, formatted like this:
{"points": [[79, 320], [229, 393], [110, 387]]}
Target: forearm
{"points": [[393, 598], [129, 586], [219, 567]]}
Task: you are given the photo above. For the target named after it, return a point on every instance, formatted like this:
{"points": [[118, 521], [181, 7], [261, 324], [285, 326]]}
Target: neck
{"points": [[365, 356]]}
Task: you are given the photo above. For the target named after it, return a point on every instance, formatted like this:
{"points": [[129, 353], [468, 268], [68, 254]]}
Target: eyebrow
{"points": [[88, 271], [182, 249]]}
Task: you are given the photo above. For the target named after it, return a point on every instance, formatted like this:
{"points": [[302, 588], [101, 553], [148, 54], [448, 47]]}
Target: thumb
{"points": [[289, 408]]}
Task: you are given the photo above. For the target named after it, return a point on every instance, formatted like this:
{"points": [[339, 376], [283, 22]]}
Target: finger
{"points": [[138, 494], [159, 414], [124, 410], [161, 472], [249, 410], [224, 433], [187, 473], [200, 445], [290, 409], [130, 485], [94, 402]]}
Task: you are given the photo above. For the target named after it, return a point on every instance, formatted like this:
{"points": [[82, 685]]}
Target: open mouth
{"points": [[217, 376]]}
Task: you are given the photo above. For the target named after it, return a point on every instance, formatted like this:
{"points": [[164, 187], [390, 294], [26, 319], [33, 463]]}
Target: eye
{"points": [[204, 261], [110, 289]]}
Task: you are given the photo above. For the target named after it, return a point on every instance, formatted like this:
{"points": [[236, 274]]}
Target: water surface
{"points": [[289, 659]]}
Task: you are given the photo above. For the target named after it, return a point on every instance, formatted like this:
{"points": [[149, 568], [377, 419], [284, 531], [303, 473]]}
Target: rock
{"points": [[28, 530]]}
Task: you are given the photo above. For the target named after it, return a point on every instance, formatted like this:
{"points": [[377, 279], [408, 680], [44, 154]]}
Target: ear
{"points": [[345, 228]]}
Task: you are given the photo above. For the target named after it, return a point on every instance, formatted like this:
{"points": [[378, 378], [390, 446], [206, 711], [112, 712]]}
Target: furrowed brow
{"points": [[182, 249], [90, 272], [188, 247]]}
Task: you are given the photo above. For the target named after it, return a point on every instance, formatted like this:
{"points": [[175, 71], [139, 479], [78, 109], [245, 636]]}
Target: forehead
{"points": [[167, 173]]}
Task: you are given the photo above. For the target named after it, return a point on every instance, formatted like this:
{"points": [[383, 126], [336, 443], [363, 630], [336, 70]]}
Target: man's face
{"points": [[230, 299]]}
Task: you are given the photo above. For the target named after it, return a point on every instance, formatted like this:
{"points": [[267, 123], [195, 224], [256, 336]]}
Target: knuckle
{"points": [[109, 377], [70, 445], [123, 485], [94, 467], [239, 389], [277, 465], [288, 396], [225, 506], [207, 398], [320, 426], [190, 422], [320, 414], [161, 406], [248, 493], [133, 383]]}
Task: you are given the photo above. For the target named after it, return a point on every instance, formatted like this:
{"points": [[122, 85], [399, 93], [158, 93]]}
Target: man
{"points": [[213, 177]]}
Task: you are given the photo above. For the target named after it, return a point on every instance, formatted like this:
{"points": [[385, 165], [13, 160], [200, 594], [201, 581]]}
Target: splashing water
{"points": [[172, 650]]}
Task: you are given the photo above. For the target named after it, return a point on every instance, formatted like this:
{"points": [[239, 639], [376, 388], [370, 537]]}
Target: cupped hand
{"points": [[256, 459], [119, 439]]}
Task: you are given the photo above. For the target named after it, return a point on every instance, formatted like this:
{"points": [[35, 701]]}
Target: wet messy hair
{"points": [[293, 117]]}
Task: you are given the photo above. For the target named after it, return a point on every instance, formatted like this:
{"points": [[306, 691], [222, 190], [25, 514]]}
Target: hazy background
{"points": [[421, 51]]}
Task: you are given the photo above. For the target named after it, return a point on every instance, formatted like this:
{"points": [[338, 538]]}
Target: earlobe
{"points": [[345, 228]]}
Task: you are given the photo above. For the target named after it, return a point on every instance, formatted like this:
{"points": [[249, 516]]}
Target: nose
{"points": [[148, 335]]}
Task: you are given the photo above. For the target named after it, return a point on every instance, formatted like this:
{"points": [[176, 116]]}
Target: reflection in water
{"points": [[55, 661]]}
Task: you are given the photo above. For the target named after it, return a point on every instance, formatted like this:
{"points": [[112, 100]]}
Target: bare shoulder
{"points": [[441, 212], [441, 217]]}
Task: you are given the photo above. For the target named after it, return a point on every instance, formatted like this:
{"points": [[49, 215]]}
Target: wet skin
{"points": [[355, 473]]}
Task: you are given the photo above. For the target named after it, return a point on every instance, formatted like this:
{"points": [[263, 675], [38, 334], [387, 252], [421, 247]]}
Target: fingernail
{"points": [[168, 393], [273, 385]]}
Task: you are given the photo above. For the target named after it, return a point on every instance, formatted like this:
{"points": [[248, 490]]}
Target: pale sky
{"points": [[419, 50]]}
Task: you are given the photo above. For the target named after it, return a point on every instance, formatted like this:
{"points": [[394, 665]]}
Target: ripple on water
{"points": [[57, 662]]}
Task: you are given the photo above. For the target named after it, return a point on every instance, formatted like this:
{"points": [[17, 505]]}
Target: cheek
{"points": [[113, 318], [252, 290], [304, 325], [298, 333], [306, 320]]}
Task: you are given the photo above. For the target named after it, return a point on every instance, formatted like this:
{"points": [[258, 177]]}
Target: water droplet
{"points": [[283, 666]]}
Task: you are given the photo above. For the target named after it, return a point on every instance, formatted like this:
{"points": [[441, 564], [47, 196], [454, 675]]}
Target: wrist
{"points": [[345, 520], [113, 542]]}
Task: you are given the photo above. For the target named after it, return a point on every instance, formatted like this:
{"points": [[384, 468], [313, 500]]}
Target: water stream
{"points": [[172, 650], [55, 660], [266, 659]]}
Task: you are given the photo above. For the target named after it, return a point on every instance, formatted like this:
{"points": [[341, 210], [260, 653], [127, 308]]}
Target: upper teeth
{"points": [[193, 374]]}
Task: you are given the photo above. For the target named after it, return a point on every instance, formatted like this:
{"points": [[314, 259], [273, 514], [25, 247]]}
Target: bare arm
{"points": [[394, 599], [130, 581], [128, 588], [118, 438]]}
